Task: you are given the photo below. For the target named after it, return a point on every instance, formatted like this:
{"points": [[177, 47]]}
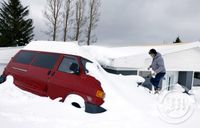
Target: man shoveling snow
{"points": [[158, 68]]}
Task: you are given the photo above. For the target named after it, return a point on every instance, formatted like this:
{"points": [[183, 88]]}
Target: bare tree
{"points": [[93, 18], [52, 14], [68, 13], [79, 18]]}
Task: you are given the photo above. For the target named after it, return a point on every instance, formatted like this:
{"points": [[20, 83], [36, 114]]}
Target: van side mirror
{"points": [[75, 68]]}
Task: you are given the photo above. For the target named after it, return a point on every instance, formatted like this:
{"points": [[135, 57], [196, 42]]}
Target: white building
{"points": [[182, 63]]}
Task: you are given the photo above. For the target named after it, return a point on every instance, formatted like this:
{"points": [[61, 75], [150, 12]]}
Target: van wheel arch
{"points": [[75, 100]]}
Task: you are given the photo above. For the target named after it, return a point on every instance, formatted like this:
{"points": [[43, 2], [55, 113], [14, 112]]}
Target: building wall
{"points": [[196, 81], [123, 72], [186, 79], [170, 79]]}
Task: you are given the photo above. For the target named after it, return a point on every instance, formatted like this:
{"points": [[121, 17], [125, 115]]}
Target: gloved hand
{"points": [[153, 74]]}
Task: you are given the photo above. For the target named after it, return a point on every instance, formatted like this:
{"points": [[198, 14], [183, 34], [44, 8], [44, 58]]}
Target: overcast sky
{"points": [[135, 21]]}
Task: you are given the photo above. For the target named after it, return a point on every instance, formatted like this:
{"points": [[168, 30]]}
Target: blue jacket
{"points": [[157, 64]]}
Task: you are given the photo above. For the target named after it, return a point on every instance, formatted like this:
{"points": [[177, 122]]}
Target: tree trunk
{"points": [[93, 18], [80, 4], [90, 21], [67, 16], [52, 14]]}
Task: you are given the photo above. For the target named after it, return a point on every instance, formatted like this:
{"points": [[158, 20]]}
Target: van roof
{"points": [[71, 48]]}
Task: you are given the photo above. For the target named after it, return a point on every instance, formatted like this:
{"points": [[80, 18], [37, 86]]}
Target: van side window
{"points": [[25, 57], [45, 60], [66, 64], [84, 62]]}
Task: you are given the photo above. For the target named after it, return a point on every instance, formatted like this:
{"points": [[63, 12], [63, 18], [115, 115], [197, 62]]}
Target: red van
{"points": [[55, 74]]}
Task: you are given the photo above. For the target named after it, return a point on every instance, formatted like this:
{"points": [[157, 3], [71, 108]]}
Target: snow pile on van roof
{"points": [[71, 48]]}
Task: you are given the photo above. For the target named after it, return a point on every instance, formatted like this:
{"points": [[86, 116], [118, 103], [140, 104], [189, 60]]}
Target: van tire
{"points": [[2, 79], [76, 101]]}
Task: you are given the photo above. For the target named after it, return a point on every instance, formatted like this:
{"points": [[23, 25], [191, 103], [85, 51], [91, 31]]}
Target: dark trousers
{"points": [[155, 81]]}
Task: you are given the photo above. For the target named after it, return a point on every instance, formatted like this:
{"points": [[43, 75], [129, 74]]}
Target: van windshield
{"points": [[84, 62]]}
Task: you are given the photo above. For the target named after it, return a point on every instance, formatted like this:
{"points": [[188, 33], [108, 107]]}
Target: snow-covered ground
{"points": [[127, 105]]}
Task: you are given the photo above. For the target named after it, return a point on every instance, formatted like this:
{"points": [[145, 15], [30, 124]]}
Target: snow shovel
{"points": [[147, 83]]}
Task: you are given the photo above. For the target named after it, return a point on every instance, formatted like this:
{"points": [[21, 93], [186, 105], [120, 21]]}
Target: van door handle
{"points": [[49, 72], [52, 74]]}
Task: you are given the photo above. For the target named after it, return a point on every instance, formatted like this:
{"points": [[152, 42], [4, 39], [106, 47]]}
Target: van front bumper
{"points": [[91, 108]]}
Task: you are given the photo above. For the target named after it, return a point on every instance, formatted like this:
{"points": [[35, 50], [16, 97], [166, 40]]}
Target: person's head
{"points": [[152, 53]]}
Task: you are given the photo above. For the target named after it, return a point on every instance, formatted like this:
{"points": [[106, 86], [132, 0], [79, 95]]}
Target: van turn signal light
{"points": [[100, 94]]}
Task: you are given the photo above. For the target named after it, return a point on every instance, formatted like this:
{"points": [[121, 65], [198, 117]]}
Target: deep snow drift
{"points": [[127, 106]]}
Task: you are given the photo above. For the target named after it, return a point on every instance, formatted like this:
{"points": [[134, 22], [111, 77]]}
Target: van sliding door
{"points": [[40, 71]]}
